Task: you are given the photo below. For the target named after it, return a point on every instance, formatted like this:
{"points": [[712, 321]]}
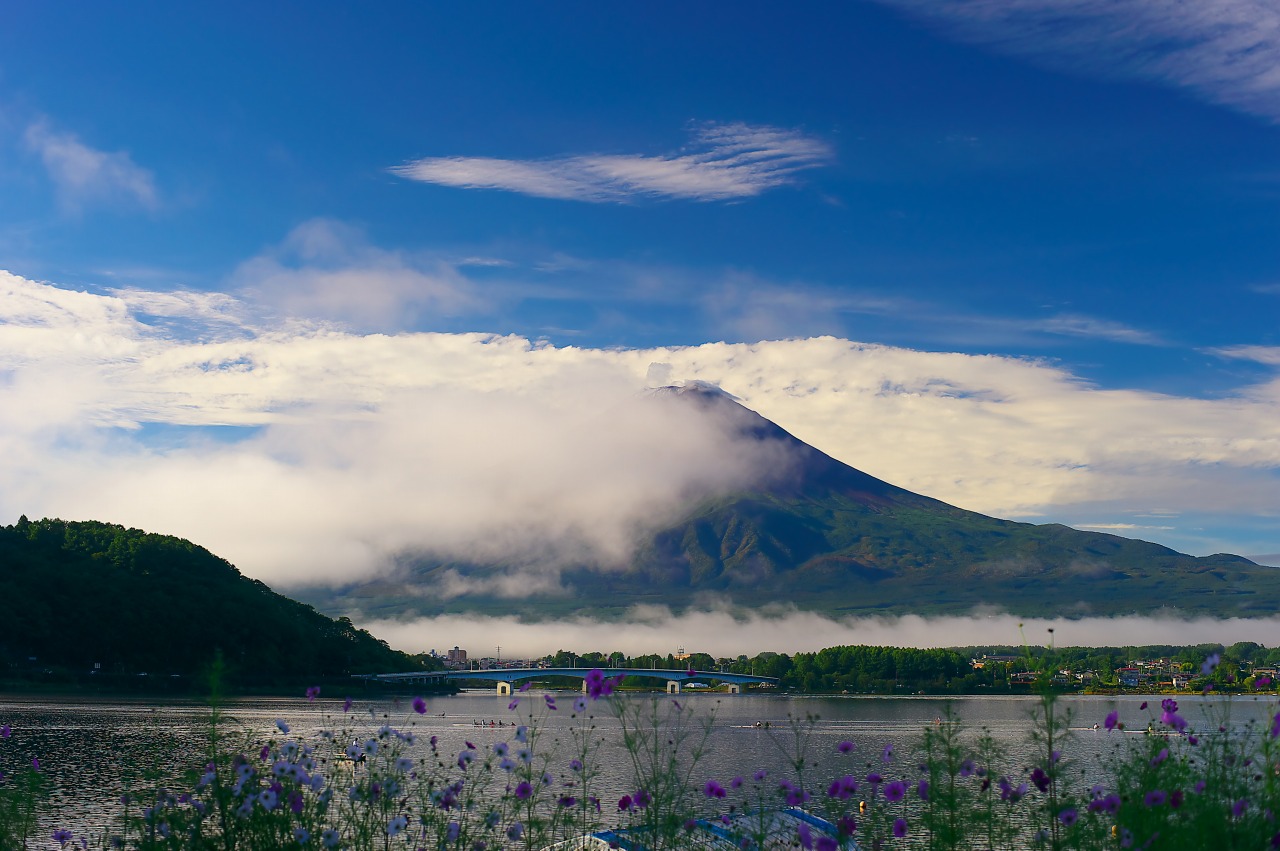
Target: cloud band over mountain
{"points": [[308, 454]]}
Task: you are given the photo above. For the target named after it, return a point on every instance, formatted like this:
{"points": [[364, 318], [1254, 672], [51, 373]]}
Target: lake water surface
{"points": [[90, 749]]}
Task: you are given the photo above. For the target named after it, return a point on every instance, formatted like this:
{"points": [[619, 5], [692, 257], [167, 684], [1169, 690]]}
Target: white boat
{"points": [[779, 829]]}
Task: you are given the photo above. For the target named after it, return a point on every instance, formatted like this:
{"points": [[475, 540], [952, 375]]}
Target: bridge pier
{"points": [[734, 688], [504, 689], [673, 686]]}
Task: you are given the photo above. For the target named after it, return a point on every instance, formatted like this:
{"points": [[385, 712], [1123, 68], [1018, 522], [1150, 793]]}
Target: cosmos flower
{"points": [[419, 706], [900, 828], [312, 693]]}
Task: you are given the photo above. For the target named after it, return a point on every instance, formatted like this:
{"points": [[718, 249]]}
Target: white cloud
{"points": [[1225, 51], [1075, 325], [84, 175], [482, 446], [726, 161], [326, 270], [722, 633]]}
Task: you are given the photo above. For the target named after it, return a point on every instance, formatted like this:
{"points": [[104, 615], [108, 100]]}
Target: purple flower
{"points": [[1262, 682], [1154, 798], [843, 788], [1210, 664], [1238, 808], [1113, 718], [643, 798], [1275, 726], [1160, 757], [346, 705], [5, 732], [887, 754], [760, 775], [419, 706], [567, 801], [1175, 799], [313, 693], [1068, 817], [62, 837], [843, 747], [900, 827], [515, 701], [806, 836], [515, 831], [624, 803], [735, 783], [551, 701], [1144, 705], [826, 843], [922, 790], [795, 796], [966, 768], [35, 763], [895, 791], [575, 764], [1199, 787], [1040, 778], [524, 789]]}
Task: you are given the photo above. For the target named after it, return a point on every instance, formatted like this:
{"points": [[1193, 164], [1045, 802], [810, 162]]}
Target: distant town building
{"points": [[457, 658]]}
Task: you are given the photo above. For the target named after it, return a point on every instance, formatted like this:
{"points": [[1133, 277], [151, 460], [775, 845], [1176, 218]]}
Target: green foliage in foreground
{"points": [[86, 593], [950, 788]]}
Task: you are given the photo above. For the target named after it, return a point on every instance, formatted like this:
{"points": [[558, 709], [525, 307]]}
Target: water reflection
{"points": [[94, 751]]}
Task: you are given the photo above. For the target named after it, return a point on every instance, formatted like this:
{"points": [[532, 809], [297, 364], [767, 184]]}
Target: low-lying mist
{"points": [[730, 634]]}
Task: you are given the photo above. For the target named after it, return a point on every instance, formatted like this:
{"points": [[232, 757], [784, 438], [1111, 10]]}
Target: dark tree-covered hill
{"points": [[73, 594]]}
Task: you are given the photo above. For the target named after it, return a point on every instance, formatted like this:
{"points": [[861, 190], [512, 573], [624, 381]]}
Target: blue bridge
{"points": [[505, 677]]}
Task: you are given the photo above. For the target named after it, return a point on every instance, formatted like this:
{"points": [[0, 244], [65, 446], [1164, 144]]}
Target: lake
{"points": [[89, 747]]}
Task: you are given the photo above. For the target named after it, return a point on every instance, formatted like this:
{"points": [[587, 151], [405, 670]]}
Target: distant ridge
{"points": [[832, 539]]}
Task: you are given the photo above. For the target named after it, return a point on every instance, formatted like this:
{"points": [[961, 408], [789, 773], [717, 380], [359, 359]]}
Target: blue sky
{"points": [[1041, 236]]}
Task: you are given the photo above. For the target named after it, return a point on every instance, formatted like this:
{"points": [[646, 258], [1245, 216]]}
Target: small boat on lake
{"points": [[768, 830]]}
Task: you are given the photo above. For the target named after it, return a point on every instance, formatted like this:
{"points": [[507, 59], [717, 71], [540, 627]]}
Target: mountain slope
{"points": [[826, 537], [81, 593]]}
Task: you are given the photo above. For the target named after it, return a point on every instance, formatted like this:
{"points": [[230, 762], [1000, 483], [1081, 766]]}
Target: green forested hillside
{"points": [[85, 593]]}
